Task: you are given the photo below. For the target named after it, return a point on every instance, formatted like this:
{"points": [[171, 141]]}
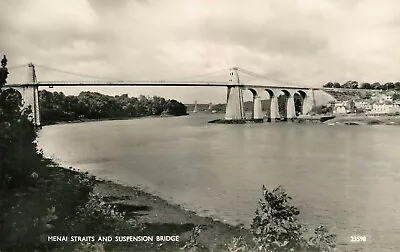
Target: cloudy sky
{"points": [[308, 42]]}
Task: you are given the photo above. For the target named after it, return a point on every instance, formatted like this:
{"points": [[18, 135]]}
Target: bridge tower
{"points": [[30, 95], [195, 107], [35, 91], [234, 99]]}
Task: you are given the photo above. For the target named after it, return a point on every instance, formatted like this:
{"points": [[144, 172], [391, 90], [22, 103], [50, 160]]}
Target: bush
{"points": [[192, 244], [17, 137], [276, 227], [237, 244], [323, 241]]}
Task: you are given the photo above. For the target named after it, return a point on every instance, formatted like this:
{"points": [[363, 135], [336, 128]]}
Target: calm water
{"points": [[346, 177]]}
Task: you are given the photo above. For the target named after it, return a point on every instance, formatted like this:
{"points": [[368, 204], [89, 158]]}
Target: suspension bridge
{"points": [[234, 84]]}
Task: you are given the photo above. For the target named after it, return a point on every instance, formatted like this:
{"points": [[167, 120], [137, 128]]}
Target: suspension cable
{"points": [[19, 66], [72, 73], [202, 75], [262, 76]]}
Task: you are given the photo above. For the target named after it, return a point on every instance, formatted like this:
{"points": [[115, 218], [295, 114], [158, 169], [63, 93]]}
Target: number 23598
{"points": [[358, 238]]}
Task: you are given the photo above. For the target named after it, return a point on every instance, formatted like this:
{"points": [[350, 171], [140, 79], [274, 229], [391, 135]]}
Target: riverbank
{"points": [[159, 216], [364, 120], [83, 120], [52, 206]]}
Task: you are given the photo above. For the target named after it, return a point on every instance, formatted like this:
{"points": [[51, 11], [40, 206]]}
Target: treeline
{"points": [[56, 106], [365, 85]]}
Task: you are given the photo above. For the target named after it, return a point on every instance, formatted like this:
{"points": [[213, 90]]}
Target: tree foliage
{"points": [[91, 105], [3, 72], [276, 226], [395, 86], [17, 136]]}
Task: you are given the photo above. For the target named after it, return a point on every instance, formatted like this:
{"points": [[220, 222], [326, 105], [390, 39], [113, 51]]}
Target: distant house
{"points": [[382, 98], [387, 98], [385, 107], [340, 110], [344, 107], [363, 105]]}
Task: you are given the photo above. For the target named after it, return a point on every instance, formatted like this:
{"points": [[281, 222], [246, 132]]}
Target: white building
{"points": [[386, 107], [364, 105], [382, 98], [339, 110], [343, 107], [339, 107]]}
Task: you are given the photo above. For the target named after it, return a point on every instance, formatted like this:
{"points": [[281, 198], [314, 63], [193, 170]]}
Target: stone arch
{"points": [[299, 97], [270, 92], [256, 109], [283, 98], [286, 93], [271, 106], [253, 91]]}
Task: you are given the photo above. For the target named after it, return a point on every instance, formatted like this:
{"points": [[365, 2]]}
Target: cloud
{"points": [[303, 41]]}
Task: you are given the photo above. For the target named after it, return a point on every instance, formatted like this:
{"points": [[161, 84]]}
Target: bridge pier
{"points": [[274, 110], [234, 104], [290, 108], [257, 108]]}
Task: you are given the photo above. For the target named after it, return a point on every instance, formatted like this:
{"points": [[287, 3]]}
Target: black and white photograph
{"points": [[199, 125]]}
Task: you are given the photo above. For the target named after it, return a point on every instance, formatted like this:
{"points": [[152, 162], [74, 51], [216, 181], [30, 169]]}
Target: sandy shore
{"points": [[161, 216]]}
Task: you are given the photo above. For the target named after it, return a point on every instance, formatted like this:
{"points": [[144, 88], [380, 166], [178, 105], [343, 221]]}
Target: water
{"points": [[345, 177]]}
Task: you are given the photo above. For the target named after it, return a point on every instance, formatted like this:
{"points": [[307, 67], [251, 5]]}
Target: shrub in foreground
{"points": [[277, 228]]}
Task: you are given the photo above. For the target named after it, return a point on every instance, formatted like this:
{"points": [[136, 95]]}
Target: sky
{"points": [[307, 42]]}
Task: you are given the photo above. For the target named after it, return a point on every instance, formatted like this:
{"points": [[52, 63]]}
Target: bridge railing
{"points": [[148, 83], [172, 83]]}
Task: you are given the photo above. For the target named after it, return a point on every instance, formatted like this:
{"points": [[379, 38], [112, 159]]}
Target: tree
{"points": [[3, 72], [376, 85], [350, 84], [396, 96], [17, 136], [322, 241], [58, 107], [276, 227], [336, 85], [328, 85], [397, 86], [389, 85], [176, 108], [365, 85]]}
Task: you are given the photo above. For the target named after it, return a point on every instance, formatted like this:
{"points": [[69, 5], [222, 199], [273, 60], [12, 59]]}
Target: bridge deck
{"points": [[147, 83], [168, 83]]}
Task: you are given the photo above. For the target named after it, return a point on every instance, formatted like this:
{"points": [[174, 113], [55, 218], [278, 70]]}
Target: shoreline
{"points": [[85, 120], [364, 120], [152, 210]]}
